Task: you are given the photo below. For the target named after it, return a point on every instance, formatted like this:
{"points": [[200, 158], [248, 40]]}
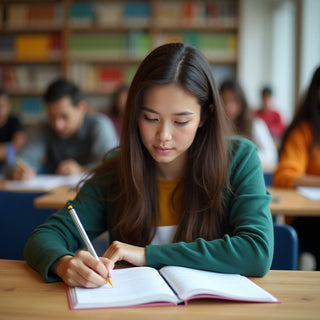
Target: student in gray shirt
{"points": [[72, 141]]}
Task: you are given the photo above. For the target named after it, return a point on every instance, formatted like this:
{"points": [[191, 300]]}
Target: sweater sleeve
{"points": [[58, 236], [248, 248], [294, 157]]}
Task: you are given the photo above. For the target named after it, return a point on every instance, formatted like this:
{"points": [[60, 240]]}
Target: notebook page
{"points": [[190, 282], [131, 286], [312, 193]]}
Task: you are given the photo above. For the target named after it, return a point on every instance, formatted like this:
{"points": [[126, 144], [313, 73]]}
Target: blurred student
{"points": [[177, 192], [299, 163], [72, 141], [12, 133], [270, 115], [118, 107], [245, 124]]}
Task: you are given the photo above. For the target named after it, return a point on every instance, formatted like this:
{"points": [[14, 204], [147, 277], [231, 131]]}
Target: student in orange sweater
{"points": [[299, 163]]}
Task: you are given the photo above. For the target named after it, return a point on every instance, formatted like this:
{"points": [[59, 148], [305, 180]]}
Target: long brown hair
{"points": [[206, 176], [308, 110]]}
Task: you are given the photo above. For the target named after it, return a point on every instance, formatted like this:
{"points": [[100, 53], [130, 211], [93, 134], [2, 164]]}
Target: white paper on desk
{"points": [[44, 182], [312, 193]]}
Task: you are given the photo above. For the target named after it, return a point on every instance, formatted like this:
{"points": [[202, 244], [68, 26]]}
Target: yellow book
{"points": [[32, 47]]}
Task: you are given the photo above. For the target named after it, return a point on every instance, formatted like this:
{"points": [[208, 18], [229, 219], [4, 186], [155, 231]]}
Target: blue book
{"points": [[137, 9], [82, 12]]}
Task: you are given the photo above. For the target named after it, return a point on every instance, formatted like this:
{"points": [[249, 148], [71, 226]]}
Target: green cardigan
{"points": [[246, 249]]}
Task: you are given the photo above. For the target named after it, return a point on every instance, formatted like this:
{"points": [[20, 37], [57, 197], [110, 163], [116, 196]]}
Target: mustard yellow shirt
{"points": [[168, 215], [296, 158]]}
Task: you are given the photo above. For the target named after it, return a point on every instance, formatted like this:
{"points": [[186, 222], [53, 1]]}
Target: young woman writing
{"points": [[178, 191]]}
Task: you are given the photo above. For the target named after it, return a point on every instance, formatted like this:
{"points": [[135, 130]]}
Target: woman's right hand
{"points": [[83, 270]]}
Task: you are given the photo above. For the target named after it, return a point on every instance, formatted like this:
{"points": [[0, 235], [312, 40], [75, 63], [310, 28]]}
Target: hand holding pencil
{"points": [[22, 171], [85, 237], [85, 269]]}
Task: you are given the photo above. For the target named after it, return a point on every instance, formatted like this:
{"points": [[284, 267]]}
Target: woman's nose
{"points": [[164, 132]]}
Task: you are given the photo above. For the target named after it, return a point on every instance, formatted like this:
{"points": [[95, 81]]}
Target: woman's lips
{"points": [[163, 151]]}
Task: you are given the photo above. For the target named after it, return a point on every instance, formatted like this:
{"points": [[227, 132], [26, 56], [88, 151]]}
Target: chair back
{"points": [[285, 256], [18, 218]]}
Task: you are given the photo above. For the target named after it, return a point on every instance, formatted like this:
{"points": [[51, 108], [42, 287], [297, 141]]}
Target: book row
{"points": [[112, 13], [134, 44], [31, 46]]}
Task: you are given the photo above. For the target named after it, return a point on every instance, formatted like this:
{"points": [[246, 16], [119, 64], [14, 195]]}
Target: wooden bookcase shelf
{"points": [[99, 44]]}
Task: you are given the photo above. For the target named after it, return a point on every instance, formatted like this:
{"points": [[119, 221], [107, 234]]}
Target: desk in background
{"points": [[289, 202], [25, 295], [286, 202], [55, 199]]}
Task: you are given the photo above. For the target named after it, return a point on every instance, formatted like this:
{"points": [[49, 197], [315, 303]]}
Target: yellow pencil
{"points": [[84, 235], [109, 280]]}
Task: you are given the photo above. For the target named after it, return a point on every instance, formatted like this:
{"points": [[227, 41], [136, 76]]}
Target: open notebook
{"points": [[143, 286]]}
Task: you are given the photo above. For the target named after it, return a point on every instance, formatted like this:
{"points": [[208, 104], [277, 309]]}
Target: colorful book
{"points": [[17, 15], [109, 78], [139, 44], [33, 46], [171, 285], [98, 46], [41, 15], [82, 13], [109, 13], [137, 13], [7, 46]]}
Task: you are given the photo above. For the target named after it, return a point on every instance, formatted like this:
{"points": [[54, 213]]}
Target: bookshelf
{"points": [[99, 44]]}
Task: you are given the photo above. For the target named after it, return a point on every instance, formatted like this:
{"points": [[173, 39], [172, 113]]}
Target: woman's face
{"points": [[168, 121], [231, 104]]}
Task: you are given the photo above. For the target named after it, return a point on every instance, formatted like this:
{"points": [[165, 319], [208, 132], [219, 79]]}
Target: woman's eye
{"points": [[150, 119], [181, 123]]}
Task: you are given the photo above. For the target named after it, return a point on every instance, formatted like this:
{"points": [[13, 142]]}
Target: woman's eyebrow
{"points": [[183, 113]]}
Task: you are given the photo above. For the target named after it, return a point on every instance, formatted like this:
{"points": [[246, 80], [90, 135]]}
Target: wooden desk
{"points": [[55, 199], [290, 203], [24, 295]]}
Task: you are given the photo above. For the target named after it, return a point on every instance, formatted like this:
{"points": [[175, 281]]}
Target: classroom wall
{"points": [[266, 51], [310, 41]]}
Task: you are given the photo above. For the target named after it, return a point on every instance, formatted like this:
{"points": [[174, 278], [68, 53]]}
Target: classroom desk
{"points": [[24, 295], [55, 198], [288, 201]]}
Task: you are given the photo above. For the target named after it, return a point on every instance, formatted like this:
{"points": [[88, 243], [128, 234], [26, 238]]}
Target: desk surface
{"points": [[288, 201], [55, 199], [24, 295]]}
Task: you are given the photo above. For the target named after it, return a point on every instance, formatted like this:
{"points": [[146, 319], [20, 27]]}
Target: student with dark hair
{"points": [[72, 141], [245, 124], [12, 132], [270, 115], [178, 191], [299, 163]]}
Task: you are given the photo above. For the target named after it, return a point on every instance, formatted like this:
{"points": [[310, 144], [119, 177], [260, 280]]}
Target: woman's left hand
{"points": [[119, 251]]}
